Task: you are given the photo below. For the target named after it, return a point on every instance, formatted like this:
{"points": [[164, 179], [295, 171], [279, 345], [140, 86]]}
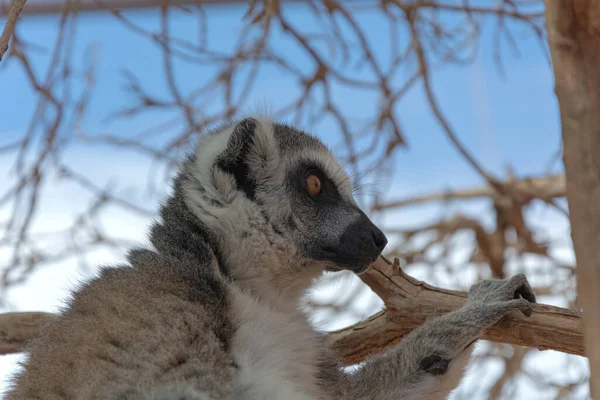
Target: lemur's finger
{"points": [[522, 305]]}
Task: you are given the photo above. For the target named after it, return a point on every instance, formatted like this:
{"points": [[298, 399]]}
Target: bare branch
{"points": [[539, 187], [19, 328], [9, 26], [42, 7]]}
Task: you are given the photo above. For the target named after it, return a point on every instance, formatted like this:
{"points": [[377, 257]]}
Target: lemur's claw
{"points": [[523, 289]]}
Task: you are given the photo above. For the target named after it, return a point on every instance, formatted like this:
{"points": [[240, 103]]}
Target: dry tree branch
{"points": [[18, 328], [9, 26], [408, 302], [44, 7], [540, 187]]}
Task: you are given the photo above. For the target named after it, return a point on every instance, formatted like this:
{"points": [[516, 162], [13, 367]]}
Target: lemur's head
{"points": [[272, 193]]}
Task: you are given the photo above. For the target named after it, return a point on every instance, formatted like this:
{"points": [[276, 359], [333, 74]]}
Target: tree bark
{"points": [[574, 38]]}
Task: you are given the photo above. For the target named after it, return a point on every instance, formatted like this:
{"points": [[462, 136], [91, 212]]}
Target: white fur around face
{"points": [[207, 150], [220, 186], [277, 352]]}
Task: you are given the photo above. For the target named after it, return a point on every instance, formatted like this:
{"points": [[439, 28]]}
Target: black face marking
{"points": [[329, 194], [234, 159]]}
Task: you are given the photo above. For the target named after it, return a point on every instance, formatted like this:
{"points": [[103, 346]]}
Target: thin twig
{"points": [[9, 26]]}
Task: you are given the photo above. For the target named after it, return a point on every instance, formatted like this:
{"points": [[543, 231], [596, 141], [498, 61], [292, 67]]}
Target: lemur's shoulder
{"points": [[139, 327]]}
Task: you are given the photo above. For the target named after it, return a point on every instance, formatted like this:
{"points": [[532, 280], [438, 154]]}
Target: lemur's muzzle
{"points": [[359, 246]]}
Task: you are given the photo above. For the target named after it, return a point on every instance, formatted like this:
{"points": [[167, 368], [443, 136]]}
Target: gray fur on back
{"points": [[211, 311], [141, 326]]}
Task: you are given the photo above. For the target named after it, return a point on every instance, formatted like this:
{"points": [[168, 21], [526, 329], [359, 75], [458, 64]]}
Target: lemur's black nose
{"points": [[357, 247], [379, 239]]}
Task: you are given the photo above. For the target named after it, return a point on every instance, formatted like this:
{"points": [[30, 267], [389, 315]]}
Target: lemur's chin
{"points": [[356, 267], [362, 269], [354, 257]]}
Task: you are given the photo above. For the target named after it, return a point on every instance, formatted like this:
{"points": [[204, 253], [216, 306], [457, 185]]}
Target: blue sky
{"points": [[504, 120], [510, 120]]}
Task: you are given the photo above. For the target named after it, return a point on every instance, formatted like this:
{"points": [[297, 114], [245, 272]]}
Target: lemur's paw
{"points": [[494, 290], [434, 364], [493, 299]]}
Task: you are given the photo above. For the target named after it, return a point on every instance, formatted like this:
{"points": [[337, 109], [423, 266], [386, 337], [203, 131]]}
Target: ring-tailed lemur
{"points": [[211, 311]]}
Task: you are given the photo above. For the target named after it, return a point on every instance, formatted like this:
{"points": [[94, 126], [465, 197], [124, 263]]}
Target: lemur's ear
{"points": [[235, 158]]}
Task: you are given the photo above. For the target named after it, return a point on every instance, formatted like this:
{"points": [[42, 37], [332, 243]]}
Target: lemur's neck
{"points": [[261, 262], [282, 290]]}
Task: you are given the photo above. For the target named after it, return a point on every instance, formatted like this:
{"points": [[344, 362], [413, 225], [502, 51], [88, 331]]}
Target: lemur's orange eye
{"points": [[313, 183]]}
